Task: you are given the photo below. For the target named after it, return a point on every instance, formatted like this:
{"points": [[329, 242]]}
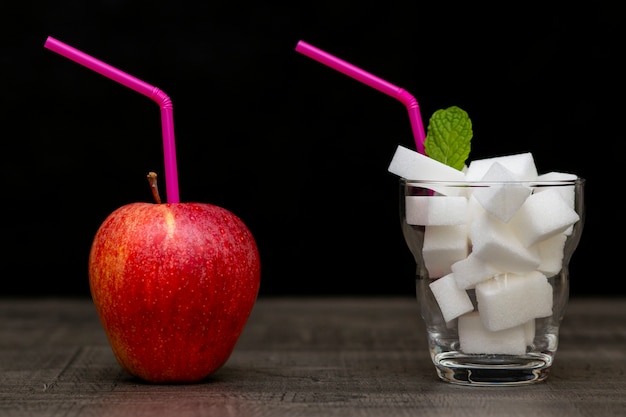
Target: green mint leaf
{"points": [[449, 137]]}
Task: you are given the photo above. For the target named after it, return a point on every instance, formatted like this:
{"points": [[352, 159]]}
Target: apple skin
{"points": [[173, 286]]}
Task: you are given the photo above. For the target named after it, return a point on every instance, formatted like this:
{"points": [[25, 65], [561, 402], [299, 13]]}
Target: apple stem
{"points": [[152, 179]]}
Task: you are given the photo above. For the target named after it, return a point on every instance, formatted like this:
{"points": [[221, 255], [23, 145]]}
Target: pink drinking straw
{"points": [[164, 102], [373, 81]]}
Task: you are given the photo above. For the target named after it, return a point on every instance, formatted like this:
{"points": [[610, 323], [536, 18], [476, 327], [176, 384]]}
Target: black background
{"points": [[297, 150]]}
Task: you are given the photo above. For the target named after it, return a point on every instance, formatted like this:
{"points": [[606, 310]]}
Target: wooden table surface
{"points": [[302, 357]]}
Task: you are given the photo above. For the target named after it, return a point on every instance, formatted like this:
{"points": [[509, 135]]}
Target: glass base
{"points": [[492, 370]]}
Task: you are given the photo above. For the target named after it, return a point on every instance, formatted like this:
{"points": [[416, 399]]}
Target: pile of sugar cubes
{"points": [[501, 241]]}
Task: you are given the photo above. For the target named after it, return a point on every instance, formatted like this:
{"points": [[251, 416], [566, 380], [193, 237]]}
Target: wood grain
{"points": [[302, 357]]}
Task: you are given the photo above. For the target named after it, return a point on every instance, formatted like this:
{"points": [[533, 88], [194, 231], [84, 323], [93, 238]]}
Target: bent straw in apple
{"points": [[373, 81], [164, 102]]}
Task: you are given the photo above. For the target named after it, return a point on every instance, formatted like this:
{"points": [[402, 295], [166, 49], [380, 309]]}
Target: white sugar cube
{"points": [[501, 200], [474, 338], [443, 246], [474, 209], [470, 271], [436, 210], [452, 301], [557, 176], [509, 300], [551, 254], [567, 191], [495, 243], [522, 165], [412, 165], [543, 215]]}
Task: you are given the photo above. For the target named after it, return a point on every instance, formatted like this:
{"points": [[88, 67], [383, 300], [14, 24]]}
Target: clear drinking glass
{"points": [[492, 273]]}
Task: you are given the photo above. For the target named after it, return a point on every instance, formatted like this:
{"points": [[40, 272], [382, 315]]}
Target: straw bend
{"points": [[162, 99], [164, 102], [373, 81]]}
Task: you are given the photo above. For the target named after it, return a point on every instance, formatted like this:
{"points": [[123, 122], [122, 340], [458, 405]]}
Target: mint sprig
{"points": [[449, 137]]}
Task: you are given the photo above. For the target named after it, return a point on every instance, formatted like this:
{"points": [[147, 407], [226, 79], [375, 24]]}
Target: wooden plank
{"points": [[302, 357]]}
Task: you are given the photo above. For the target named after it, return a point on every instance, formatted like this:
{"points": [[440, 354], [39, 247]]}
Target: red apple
{"points": [[173, 285]]}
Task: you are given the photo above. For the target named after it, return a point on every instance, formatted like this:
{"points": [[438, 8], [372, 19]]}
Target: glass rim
{"points": [[481, 183]]}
